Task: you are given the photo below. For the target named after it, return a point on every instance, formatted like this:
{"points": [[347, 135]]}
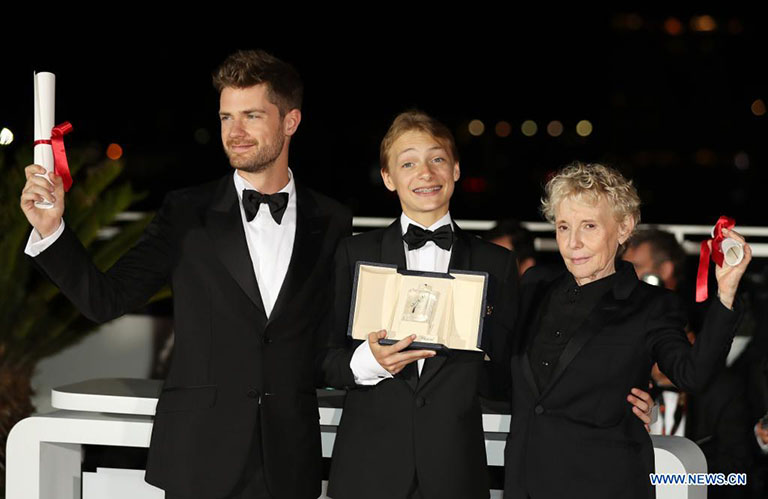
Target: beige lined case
{"points": [[442, 310]]}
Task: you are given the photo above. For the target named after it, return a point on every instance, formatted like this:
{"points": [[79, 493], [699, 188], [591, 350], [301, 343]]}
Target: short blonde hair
{"points": [[416, 121], [590, 182]]}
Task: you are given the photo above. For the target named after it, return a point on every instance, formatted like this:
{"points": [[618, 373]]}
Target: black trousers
{"points": [[252, 484]]}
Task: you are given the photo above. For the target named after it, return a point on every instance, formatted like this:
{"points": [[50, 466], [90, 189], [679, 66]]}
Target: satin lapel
{"points": [[431, 366], [604, 311], [460, 252], [309, 231], [460, 260], [392, 246], [410, 374], [525, 367], [225, 227]]}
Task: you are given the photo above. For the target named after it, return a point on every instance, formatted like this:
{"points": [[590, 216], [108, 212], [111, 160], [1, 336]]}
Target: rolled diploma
{"points": [[733, 251], [45, 106]]}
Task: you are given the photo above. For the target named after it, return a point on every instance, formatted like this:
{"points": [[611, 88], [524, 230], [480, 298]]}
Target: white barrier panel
{"points": [[44, 451]]}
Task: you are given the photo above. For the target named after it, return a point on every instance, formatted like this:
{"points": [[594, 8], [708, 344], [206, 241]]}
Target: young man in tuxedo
{"points": [[248, 259], [414, 429]]}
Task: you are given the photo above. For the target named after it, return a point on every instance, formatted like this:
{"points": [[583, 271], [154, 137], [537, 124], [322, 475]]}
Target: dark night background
{"points": [[671, 105]]}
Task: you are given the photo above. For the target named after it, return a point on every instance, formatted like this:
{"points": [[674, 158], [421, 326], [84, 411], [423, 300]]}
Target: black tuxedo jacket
{"points": [[428, 425], [231, 366], [578, 437]]}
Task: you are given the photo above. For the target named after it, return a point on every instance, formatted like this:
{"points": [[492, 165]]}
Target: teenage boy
{"points": [[414, 429]]}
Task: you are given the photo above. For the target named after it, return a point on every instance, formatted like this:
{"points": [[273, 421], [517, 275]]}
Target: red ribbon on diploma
{"points": [[717, 255], [60, 165]]}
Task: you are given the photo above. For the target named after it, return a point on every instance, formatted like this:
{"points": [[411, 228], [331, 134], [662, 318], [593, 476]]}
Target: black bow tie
{"points": [[253, 199], [416, 237]]}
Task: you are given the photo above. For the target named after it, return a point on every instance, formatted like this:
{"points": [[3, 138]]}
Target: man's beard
{"points": [[259, 158]]}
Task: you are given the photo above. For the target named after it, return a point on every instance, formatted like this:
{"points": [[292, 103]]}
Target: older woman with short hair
{"points": [[587, 335]]}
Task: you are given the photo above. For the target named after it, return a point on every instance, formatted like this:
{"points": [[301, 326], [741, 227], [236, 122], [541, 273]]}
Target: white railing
{"points": [[689, 236]]}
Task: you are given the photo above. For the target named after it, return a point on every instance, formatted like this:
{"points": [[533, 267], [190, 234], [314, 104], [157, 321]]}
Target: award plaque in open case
{"points": [[444, 311]]}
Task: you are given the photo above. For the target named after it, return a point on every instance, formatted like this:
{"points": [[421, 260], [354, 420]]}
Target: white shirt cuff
{"points": [[365, 367], [763, 447], [36, 244]]}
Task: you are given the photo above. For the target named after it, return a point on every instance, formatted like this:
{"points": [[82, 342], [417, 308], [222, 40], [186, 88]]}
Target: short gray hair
{"points": [[590, 182]]}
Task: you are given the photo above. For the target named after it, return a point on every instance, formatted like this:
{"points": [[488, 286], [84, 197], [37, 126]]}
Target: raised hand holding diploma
{"points": [[49, 139], [728, 276], [731, 255], [45, 187]]}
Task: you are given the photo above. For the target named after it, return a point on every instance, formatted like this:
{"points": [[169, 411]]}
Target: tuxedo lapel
{"points": [[392, 246], [431, 366], [460, 252], [310, 226], [224, 225]]}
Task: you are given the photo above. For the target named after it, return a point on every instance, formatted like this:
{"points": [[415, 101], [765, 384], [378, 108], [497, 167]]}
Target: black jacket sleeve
{"points": [[127, 285], [689, 367]]}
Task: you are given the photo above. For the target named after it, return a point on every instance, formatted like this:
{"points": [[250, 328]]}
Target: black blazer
{"points": [[231, 367], [578, 437], [429, 425]]}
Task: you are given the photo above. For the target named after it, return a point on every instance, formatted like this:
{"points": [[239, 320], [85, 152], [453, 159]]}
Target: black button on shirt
{"points": [[565, 308]]}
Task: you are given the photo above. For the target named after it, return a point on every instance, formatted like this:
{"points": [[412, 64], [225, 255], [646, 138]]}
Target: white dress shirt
{"points": [[270, 244], [428, 258]]}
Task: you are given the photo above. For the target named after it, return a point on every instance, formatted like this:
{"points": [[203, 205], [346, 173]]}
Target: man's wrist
{"points": [[48, 230]]}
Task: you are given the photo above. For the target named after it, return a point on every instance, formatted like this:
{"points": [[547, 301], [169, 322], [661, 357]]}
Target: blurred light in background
{"points": [[555, 128], [476, 128], [529, 128], [6, 137], [673, 26], [474, 184], [706, 157], [741, 160], [114, 151], [503, 129], [758, 107], [584, 128], [703, 23]]}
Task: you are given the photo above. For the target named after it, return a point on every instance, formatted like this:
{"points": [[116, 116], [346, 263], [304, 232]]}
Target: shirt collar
{"points": [[405, 221], [290, 187]]}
